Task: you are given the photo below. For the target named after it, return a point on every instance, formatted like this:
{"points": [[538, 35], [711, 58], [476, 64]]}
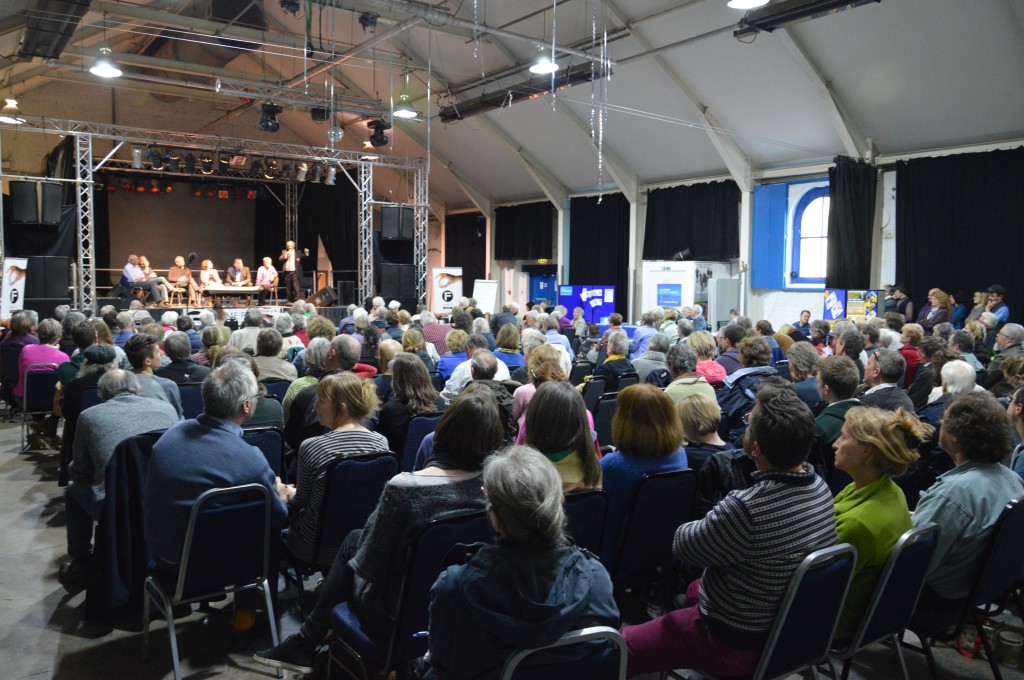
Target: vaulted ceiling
{"points": [[686, 99]]}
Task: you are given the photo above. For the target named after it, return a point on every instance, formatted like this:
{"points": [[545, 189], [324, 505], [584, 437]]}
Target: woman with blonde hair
{"points": [[545, 354], [456, 343], [507, 347], [936, 311], [871, 512], [414, 343], [344, 404], [703, 343], [210, 338]]}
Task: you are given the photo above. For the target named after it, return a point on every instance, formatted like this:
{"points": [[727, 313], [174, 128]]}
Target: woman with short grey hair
{"points": [[285, 325], [315, 361], [490, 603]]}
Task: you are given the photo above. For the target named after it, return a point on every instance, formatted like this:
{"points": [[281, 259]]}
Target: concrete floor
{"points": [[42, 633]]}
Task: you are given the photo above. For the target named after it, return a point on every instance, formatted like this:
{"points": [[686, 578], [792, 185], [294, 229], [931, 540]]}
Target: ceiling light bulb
{"points": [[11, 113], [404, 110], [747, 4], [105, 67], [543, 65]]}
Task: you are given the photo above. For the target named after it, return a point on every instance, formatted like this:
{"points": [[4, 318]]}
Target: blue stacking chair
{"points": [[277, 388], [419, 427], [604, 666], [606, 408], [592, 392], [37, 394], [90, 397], [580, 370], [268, 440], [895, 596], [628, 379], [585, 514], [227, 549], [9, 357], [191, 400], [425, 557], [353, 487], [661, 502]]}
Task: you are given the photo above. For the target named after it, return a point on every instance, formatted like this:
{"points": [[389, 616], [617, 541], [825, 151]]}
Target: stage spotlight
{"points": [[300, 176], [290, 6], [223, 162], [317, 171], [270, 169], [268, 120], [256, 169], [206, 164], [286, 172], [137, 153], [173, 161], [251, 194], [156, 158], [332, 170], [378, 138], [126, 185], [168, 187], [154, 186], [223, 191], [197, 191], [190, 163], [140, 187], [211, 192]]}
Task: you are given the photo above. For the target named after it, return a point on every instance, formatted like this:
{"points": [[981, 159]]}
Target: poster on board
{"points": [[13, 287], [486, 294], [447, 286], [862, 303], [835, 305]]}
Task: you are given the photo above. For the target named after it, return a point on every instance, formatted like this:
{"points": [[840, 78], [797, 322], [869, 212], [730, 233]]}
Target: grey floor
{"points": [[43, 635]]}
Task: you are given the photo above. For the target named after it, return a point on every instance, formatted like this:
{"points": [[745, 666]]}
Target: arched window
{"points": [[810, 237]]}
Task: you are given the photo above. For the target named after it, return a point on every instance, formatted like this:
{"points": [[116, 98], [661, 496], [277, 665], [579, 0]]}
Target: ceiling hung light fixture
{"points": [[268, 117], [543, 65], [332, 171], [747, 4], [105, 66], [11, 113], [378, 138], [404, 109]]}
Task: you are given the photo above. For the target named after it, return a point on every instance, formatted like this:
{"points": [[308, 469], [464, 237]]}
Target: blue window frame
{"points": [[810, 237]]}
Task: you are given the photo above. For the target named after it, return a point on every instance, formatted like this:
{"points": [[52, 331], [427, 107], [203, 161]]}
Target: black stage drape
{"points": [[960, 224], [465, 246], [268, 232], [599, 244], [524, 232], [332, 212], [702, 217], [851, 189]]}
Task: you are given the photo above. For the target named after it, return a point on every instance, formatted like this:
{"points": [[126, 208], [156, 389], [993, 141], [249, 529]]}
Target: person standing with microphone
{"points": [[292, 267]]}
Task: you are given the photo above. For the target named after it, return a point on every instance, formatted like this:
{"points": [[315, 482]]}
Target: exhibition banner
{"points": [[13, 287], [447, 285]]}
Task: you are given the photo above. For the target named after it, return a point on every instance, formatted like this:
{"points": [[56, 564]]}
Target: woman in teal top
{"points": [[871, 513]]}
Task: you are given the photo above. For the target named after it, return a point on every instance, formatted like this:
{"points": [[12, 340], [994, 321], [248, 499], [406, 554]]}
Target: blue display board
{"points": [[835, 305], [598, 302], [670, 295]]}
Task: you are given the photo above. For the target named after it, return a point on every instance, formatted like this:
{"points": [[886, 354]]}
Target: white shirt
{"points": [[463, 374]]}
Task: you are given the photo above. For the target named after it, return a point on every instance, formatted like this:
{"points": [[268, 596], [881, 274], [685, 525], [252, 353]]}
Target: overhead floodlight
{"points": [[11, 113], [269, 168], [300, 176], [137, 154], [156, 158], [332, 171], [190, 163], [378, 138], [174, 161], [268, 119], [404, 109], [105, 66], [544, 64], [317, 172], [206, 164], [747, 4]]}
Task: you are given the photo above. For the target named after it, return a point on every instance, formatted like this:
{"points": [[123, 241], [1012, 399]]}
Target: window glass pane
{"points": [[813, 252], [814, 220]]}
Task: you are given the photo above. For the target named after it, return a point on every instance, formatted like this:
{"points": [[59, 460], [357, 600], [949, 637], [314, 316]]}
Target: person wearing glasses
{"points": [[1008, 344]]}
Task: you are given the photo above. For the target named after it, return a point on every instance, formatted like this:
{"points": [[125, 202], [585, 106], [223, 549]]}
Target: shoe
{"points": [[74, 574], [295, 654]]}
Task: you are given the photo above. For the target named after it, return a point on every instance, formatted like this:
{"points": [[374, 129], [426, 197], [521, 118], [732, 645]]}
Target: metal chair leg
{"points": [[846, 668], [174, 642], [988, 651], [898, 649], [926, 647], [271, 619], [145, 621]]}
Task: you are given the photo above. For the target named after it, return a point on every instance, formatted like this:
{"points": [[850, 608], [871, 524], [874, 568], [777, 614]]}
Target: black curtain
{"points": [[524, 232], [465, 246], [851, 190], [599, 245], [702, 217], [960, 224], [268, 232], [332, 213]]}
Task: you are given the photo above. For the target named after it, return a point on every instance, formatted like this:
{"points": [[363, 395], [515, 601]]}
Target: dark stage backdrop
{"points": [[465, 246], [524, 232], [702, 217], [851, 187], [960, 224], [599, 245]]}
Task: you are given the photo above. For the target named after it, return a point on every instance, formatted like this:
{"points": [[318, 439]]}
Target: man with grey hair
{"points": [[505, 316], [182, 370], [463, 373], [882, 375], [684, 329], [484, 367], [803, 371], [285, 325], [315, 361], [681, 361], [617, 364], [245, 337], [125, 328], [553, 334], [122, 414], [1008, 344], [653, 358], [697, 318], [218, 457], [302, 423]]}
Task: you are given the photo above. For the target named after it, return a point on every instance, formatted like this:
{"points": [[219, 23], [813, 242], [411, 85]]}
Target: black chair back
{"points": [[39, 388], [270, 443], [191, 400], [419, 427], [437, 381], [1002, 565], [90, 397], [609, 665], [9, 357], [277, 388], [661, 502], [592, 392], [627, 379], [353, 487], [586, 513], [606, 408], [809, 613], [782, 366], [580, 370]]}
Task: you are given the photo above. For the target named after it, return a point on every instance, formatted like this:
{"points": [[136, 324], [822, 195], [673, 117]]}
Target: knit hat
{"points": [[100, 354]]}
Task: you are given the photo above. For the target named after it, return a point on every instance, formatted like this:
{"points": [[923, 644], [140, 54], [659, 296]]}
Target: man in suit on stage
{"points": [[291, 257], [238, 274]]}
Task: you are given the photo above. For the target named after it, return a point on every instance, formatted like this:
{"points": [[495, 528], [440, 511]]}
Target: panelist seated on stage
{"points": [[162, 282], [266, 279], [132, 276], [208, 276], [181, 276], [238, 274]]}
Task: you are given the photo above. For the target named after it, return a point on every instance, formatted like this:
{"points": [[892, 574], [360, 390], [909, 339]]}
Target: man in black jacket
{"points": [[882, 376]]}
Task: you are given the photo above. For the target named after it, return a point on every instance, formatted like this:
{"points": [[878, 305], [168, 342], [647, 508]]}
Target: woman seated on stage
{"points": [[157, 280], [208, 275]]}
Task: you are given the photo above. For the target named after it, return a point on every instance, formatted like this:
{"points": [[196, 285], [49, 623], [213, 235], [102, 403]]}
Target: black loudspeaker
{"points": [[24, 206], [117, 303], [398, 280], [48, 276], [53, 197], [346, 292], [44, 306], [325, 297], [396, 222]]}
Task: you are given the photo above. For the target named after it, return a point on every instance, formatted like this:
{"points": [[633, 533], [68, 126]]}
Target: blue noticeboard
{"points": [[598, 302], [670, 294], [835, 305]]}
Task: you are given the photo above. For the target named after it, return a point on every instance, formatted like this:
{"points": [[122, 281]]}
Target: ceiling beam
{"points": [[556, 192], [735, 159], [853, 140], [621, 173]]}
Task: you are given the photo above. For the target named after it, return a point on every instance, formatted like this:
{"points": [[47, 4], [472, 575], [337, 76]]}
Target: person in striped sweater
{"points": [[750, 544]]}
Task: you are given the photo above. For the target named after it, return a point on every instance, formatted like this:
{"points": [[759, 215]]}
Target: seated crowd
{"points": [[799, 439]]}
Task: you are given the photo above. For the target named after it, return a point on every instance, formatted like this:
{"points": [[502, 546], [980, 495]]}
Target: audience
{"points": [[44, 351], [615, 364], [268, 357], [462, 373], [557, 426], [700, 416], [729, 339], [143, 351], [681, 361], [182, 370], [314, 358], [703, 343], [413, 343], [837, 383], [803, 371], [456, 354], [883, 374], [910, 336], [245, 337], [653, 358], [411, 395], [507, 346], [1008, 344]]}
